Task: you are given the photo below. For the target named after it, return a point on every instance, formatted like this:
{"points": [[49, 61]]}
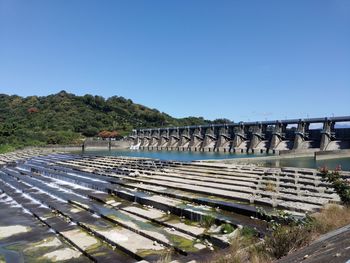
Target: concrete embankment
{"points": [[131, 209], [316, 155], [257, 159], [131, 230], [332, 154], [94, 144]]}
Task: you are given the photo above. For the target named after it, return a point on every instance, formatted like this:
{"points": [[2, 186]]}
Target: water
{"points": [[173, 155], [309, 162], [306, 162], [11, 255]]}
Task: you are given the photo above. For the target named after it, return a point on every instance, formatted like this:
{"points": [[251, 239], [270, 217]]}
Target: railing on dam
{"points": [[256, 137]]}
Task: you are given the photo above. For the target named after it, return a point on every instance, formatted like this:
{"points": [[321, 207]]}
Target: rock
{"points": [[215, 229], [233, 234]]}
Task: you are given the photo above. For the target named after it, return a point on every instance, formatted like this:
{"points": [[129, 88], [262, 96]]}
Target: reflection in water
{"points": [[307, 162]]}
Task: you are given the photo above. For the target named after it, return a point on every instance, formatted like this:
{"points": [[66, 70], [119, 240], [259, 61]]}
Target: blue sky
{"points": [[242, 60]]}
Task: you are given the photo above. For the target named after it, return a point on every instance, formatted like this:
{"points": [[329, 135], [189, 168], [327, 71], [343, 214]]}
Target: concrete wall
{"points": [[92, 144]]}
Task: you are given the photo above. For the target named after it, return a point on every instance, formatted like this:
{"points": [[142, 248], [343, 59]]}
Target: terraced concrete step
{"points": [[305, 185], [146, 212], [33, 240], [264, 201], [136, 224], [144, 198], [282, 200], [284, 195], [274, 178], [93, 248], [134, 244], [160, 189]]}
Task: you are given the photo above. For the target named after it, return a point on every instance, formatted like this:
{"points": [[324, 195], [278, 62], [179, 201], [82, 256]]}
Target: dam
{"points": [[275, 137]]}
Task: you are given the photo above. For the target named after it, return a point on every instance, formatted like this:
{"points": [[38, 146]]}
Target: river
{"points": [[306, 162]]}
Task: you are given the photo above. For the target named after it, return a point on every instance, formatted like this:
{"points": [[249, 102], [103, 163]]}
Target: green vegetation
{"points": [[341, 185], [207, 221], [6, 148], [65, 118], [248, 232], [287, 233], [183, 243], [227, 228]]}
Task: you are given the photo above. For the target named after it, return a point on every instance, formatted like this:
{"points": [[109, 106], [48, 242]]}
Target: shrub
{"points": [[286, 238], [340, 184], [227, 228], [207, 221], [248, 232]]}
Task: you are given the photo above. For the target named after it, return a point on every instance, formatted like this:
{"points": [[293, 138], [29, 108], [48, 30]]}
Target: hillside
{"points": [[65, 118]]}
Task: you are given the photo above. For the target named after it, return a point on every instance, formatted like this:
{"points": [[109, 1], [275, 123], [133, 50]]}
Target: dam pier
{"points": [[279, 136]]}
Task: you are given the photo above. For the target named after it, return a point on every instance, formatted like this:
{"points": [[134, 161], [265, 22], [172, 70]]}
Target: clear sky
{"points": [[242, 60]]}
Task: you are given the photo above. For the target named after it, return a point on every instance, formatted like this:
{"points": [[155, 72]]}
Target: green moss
{"points": [[94, 247], [183, 243], [190, 223], [149, 252], [14, 247], [33, 254]]}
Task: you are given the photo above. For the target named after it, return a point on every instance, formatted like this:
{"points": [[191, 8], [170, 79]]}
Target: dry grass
{"points": [[166, 257], [287, 238], [330, 218], [244, 248], [232, 255], [248, 249], [270, 186]]}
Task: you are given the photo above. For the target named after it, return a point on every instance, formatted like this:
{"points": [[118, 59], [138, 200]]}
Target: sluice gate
{"points": [[313, 134]]}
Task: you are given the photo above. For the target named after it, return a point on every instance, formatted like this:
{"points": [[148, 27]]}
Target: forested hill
{"points": [[65, 118]]}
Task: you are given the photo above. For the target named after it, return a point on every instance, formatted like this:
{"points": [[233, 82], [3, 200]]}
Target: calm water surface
{"points": [[307, 162], [173, 155]]}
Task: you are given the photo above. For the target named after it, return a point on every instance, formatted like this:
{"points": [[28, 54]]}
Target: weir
{"points": [[249, 137]]}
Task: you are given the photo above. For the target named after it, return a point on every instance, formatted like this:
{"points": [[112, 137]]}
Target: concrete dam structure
{"points": [[88, 208], [313, 134]]}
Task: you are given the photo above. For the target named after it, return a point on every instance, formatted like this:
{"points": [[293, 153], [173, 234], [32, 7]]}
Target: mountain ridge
{"points": [[66, 118]]}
